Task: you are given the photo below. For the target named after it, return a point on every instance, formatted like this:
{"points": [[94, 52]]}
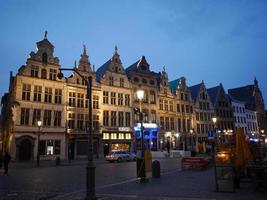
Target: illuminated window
{"points": [[121, 136], [113, 136], [127, 136], [105, 136]]}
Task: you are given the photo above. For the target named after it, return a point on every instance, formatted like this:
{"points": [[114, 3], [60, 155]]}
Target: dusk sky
{"points": [[215, 41]]}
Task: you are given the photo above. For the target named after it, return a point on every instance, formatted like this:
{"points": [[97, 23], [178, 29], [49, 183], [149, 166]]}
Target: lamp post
{"points": [[90, 168], [191, 136], [177, 137], [39, 123], [142, 171], [214, 120]]}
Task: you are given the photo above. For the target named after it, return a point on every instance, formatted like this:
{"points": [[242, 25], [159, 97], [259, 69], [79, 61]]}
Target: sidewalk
{"points": [[175, 185]]}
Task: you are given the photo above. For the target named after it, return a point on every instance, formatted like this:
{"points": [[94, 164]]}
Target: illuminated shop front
{"points": [[117, 139], [151, 136]]}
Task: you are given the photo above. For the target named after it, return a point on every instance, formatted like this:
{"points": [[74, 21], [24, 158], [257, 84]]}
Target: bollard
{"points": [[156, 169]]}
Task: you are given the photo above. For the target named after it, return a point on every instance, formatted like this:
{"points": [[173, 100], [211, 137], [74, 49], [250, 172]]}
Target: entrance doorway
{"points": [[25, 149]]}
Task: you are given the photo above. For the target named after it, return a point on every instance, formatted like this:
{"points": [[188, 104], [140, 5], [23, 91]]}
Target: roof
{"points": [[132, 67], [194, 90], [45, 42], [102, 70], [173, 85], [213, 92], [245, 94]]}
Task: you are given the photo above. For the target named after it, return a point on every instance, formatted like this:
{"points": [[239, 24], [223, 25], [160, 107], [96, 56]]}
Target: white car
{"points": [[120, 156]]}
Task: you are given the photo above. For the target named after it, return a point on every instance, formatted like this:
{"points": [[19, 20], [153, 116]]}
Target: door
{"points": [[25, 150]]}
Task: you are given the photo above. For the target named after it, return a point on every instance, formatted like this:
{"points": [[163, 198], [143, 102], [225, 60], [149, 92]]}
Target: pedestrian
{"points": [[168, 147], [6, 159]]}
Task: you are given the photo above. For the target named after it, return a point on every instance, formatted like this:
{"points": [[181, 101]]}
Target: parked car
{"points": [[120, 156]]}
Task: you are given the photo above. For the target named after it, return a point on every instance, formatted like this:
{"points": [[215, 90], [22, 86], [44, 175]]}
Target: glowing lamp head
{"points": [[39, 123], [214, 120], [140, 94]]}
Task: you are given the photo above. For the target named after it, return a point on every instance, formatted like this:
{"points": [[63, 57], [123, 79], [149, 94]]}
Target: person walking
{"points": [[6, 159]]}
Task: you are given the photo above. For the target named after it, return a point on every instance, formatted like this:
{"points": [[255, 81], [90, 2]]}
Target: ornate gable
{"points": [[84, 64], [45, 52]]}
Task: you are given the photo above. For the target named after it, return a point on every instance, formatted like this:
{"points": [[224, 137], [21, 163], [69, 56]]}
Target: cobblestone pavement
{"points": [[114, 181]]}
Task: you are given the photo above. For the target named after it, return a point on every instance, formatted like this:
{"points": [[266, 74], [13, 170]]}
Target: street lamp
{"points": [[177, 137], [140, 96], [39, 123], [214, 120], [90, 168]]}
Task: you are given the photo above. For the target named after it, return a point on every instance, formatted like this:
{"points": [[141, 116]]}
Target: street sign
{"points": [[210, 135]]}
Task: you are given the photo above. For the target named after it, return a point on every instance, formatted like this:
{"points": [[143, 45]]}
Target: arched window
{"points": [[44, 57], [43, 74]]}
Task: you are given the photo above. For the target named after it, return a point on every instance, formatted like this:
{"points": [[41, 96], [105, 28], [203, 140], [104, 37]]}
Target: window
{"points": [[95, 102], [105, 97], [178, 108], [128, 119], [71, 121], [172, 124], [121, 82], [53, 74], [113, 118], [191, 109], [44, 58], [34, 71], [179, 124], [36, 116], [167, 123], [111, 81], [72, 97], [161, 104], [43, 74], [186, 97], [182, 108], [121, 117], [184, 125], [128, 136], [152, 97], [113, 136], [120, 99], [105, 136], [153, 116], [80, 100], [57, 118], [37, 95], [57, 147], [187, 108], [58, 96], [106, 118], [182, 96], [171, 106], [152, 82], [24, 116], [113, 98], [96, 122], [166, 105], [161, 119], [144, 81], [121, 136], [127, 100], [47, 118], [197, 116], [80, 119], [136, 79], [26, 92], [48, 95]]}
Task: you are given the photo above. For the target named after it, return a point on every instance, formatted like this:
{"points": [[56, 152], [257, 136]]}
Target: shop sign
{"points": [[124, 129]]}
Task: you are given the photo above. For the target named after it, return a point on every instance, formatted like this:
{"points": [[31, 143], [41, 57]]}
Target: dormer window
{"points": [[44, 58], [34, 71], [144, 81]]}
